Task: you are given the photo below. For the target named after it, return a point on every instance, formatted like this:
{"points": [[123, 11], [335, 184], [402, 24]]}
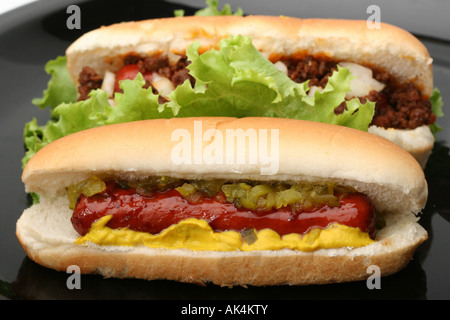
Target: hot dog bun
{"points": [[308, 151], [389, 48]]}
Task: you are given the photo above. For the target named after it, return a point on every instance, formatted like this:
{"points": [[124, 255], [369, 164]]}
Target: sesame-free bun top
{"points": [[388, 48], [299, 151]]}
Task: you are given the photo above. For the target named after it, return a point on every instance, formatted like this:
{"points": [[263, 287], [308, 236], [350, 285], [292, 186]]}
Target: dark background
{"points": [[36, 33]]}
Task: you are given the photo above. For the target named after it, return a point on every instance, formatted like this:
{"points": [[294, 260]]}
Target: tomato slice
{"points": [[129, 71]]}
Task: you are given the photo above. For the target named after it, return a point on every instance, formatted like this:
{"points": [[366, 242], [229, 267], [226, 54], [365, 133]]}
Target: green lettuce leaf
{"points": [[33, 139], [81, 115], [436, 108], [60, 87], [212, 9], [238, 81], [68, 118], [136, 103]]}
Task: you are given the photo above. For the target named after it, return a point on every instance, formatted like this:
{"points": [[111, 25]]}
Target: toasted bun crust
{"points": [[307, 151], [389, 48]]}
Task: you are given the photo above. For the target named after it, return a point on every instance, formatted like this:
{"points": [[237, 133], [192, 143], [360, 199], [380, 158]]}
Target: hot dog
{"points": [[158, 210], [116, 200], [398, 78]]}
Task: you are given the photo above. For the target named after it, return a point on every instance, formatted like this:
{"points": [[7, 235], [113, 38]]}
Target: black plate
{"points": [[36, 33]]}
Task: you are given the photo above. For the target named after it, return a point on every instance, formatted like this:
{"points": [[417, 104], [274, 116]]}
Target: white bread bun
{"points": [[418, 142], [308, 151], [388, 48]]}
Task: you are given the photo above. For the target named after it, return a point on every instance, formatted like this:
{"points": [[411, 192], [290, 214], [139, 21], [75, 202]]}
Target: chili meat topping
{"points": [[396, 106]]}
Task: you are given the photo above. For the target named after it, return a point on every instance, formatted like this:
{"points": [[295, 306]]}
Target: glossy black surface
{"points": [[34, 34]]}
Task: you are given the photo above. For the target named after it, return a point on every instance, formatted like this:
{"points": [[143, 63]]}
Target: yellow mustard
{"points": [[196, 234]]}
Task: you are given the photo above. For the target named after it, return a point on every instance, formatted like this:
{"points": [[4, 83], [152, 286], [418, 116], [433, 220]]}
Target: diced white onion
{"points": [[281, 66], [363, 82], [313, 89], [173, 58], [108, 83], [162, 84]]}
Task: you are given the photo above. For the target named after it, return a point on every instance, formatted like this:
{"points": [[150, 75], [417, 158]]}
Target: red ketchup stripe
{"points": [[157, 212]]}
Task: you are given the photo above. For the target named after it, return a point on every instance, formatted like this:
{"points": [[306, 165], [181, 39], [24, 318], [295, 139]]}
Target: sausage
{"points": [[153, 213]]}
